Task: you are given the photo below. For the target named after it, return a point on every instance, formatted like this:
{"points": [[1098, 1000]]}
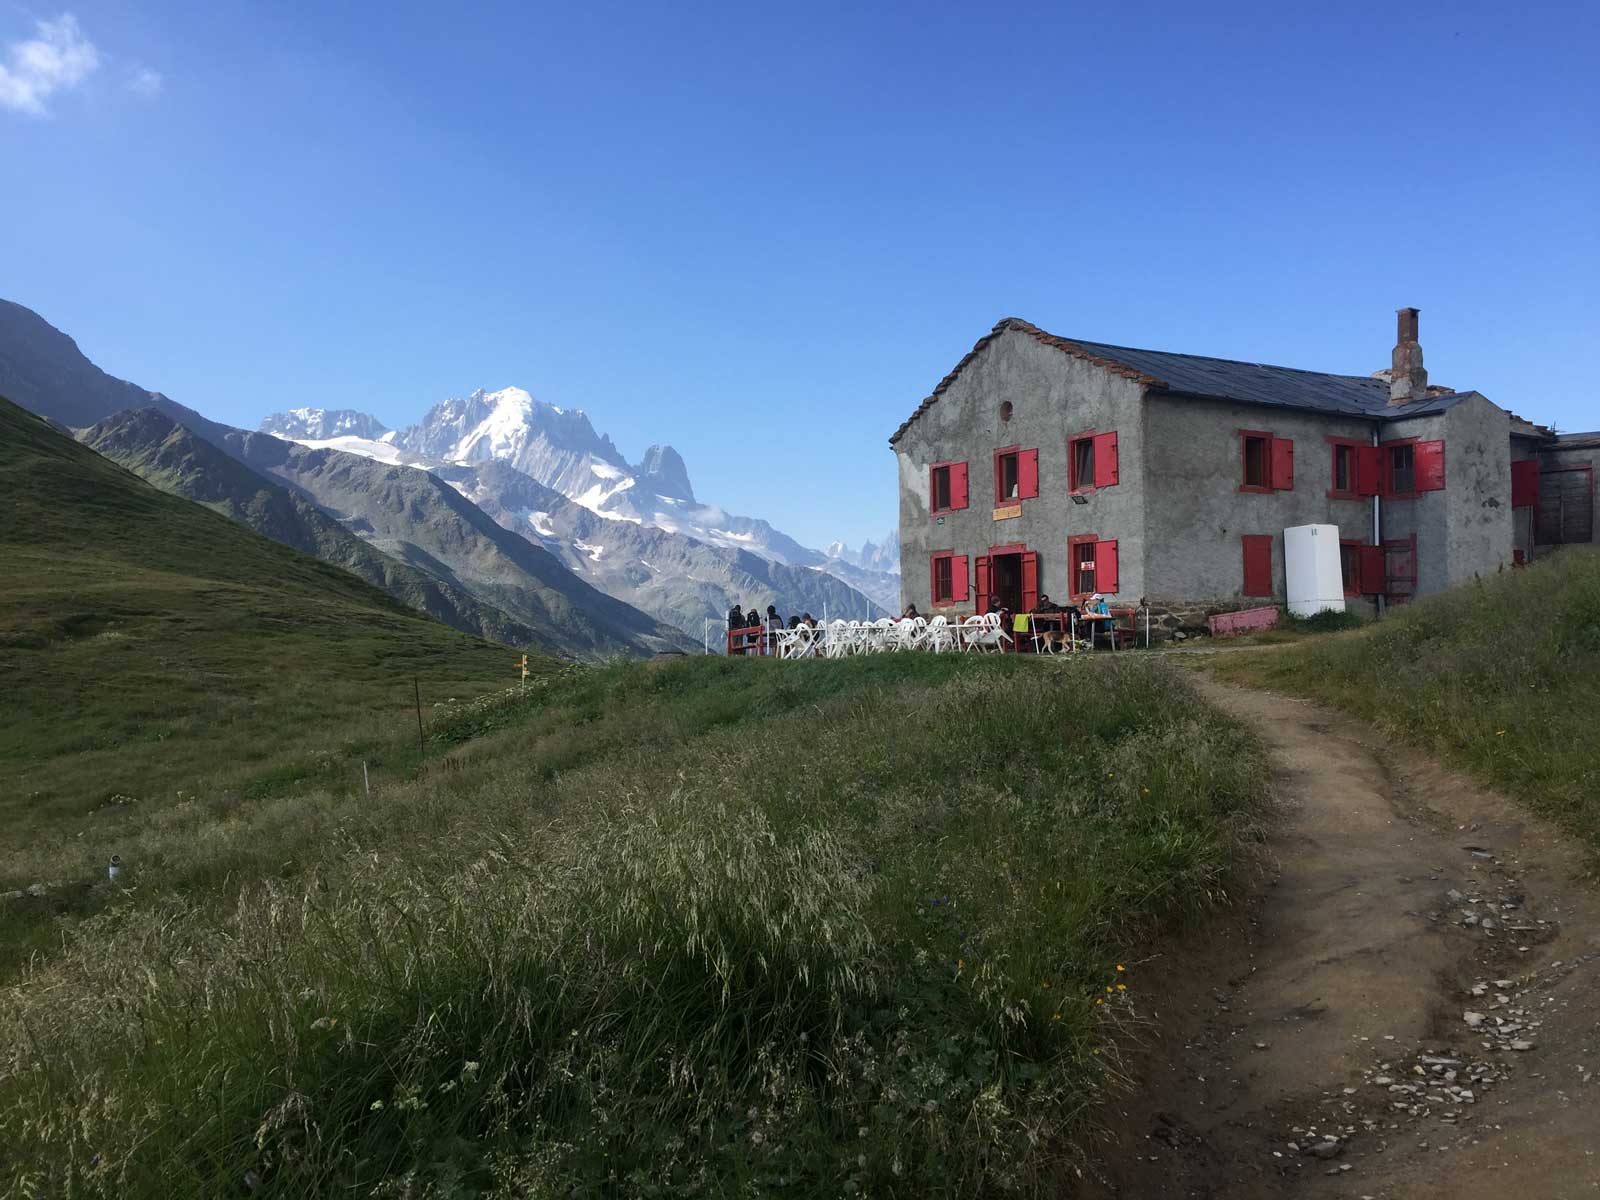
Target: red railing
{"points": [[752, 639]]}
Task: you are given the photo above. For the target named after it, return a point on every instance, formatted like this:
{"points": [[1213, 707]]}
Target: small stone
{"points": [[1520, 1044], [1326, 1150], [36, 890], [1473, 1019]]}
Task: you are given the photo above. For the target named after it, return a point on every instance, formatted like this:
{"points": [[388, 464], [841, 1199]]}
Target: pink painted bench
{"points": [[1244, 621]]}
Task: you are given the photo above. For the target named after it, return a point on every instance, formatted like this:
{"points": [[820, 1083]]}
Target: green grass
{"points": [[1501, 677], [150, 647], [706, 927]]}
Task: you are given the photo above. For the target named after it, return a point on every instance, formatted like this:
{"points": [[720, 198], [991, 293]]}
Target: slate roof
{"points": [[1195, 376]]}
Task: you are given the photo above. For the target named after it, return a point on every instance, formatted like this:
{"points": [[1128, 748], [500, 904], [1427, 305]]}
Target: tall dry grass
{"points": [[868, 943]]}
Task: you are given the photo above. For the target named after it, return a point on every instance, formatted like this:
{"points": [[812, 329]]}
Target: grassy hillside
{"points": [[1501, 676], [167, 454], [710, 927], [149, 646]]}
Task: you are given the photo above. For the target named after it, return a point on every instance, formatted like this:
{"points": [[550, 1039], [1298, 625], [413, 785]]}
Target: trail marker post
{"points": [[524, 672], [422, 747]]}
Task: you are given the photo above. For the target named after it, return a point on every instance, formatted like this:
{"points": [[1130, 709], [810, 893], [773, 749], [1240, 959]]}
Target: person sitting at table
{"points": [[735, 621], [910, 613], [1096, 608], [796, 621]]}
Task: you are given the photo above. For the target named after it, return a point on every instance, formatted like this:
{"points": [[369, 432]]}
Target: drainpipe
{"points": [[1377, 525]]}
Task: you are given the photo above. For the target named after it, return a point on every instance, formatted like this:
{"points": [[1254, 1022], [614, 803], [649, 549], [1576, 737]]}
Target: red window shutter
{"points": [[1428, 461], [1027, 474], [1030, 581], [1371, 579], [958, 485], [1282, 464], [958, 579], [1105, 459], [1525, 484], [982, 573], [1105, 567], [1257, 564], [1369, 471]]}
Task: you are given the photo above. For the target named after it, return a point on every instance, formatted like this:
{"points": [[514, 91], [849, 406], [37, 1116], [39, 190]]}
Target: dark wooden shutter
{"points": [[1282, 464], [933, 490], [1105, 567], [1105, 459], [1369, 470], [933, 580], [1525, 483], [1027, 474], [958, 485], [958, 579], [1257, 564], [1030, 581], [1427, 464], [1369, 576], [982, 572]]}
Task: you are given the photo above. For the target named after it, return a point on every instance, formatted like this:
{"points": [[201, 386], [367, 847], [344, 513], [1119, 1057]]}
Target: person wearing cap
{"points": [[1097, 608]]}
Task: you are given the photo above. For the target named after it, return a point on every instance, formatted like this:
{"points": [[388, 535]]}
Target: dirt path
{"points": [[1317, 1045]]}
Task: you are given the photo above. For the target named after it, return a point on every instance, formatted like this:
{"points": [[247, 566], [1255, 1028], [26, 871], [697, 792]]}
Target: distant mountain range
{"points": [[496, 513], [637, 531], [479, 577]]}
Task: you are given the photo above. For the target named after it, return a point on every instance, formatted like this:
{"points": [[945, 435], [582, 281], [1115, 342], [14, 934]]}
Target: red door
{"points": [[1030, 581]]}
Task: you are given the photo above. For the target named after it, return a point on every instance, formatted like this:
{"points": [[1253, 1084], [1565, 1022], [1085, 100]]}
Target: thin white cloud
{"points": [[57, 57], [145, 83]]}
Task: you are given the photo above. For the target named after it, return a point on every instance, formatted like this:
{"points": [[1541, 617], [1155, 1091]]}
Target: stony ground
{"points": [[1410, 1007]]}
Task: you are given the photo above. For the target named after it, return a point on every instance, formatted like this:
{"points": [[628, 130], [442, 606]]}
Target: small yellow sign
{"points": [[1009, 511]]}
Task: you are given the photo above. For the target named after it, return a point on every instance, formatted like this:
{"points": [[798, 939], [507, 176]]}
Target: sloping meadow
{"points": [[873, 943]]}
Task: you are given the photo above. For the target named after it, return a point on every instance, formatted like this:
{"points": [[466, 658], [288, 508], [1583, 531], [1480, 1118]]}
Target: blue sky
{"points": [[763, 233]]}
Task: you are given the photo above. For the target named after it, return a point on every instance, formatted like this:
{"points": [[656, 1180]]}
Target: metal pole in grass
{"points": [[366, 782], [422, 748]]}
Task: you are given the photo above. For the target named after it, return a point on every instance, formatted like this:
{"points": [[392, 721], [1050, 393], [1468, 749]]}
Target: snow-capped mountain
{"points": [[872, 556], [319, 424], [560, 450]]}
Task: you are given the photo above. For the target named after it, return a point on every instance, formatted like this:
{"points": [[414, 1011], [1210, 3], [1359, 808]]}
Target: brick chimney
{"points": [[1408, 379]]}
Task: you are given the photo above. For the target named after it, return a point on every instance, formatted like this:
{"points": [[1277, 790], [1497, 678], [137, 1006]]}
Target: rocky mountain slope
{"points": [[164, 453]]}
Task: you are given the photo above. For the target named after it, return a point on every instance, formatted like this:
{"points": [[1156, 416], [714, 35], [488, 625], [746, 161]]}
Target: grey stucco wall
{"points": [[1053, 396], [1464, 531], [1196, 514]]}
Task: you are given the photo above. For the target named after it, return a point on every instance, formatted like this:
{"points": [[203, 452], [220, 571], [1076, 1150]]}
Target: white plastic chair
{"points": [[879, 635], [940, 636], [969, 634], [837, 644], [905, 634]]}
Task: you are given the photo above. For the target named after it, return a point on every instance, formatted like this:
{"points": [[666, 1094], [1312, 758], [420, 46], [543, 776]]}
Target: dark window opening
{"points": [[1083, 569], [1257, 461], [1402, 470], [1344, 468], [1005, 411], [1350, 567], [1005, 476], [941, 488], [1082, 463]]}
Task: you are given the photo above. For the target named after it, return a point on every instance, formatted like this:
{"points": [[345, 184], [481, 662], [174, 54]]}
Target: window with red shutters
{"points": [[1257, 564], [948, 582], [1525, 483], [947, 487], [1399, 470], [1092, 461]]}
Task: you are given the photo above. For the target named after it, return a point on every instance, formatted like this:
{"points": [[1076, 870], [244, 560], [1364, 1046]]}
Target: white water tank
{"points": [[1312, 572]]}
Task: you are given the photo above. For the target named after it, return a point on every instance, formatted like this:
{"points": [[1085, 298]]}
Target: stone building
{"points": [[1044, 464]]}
